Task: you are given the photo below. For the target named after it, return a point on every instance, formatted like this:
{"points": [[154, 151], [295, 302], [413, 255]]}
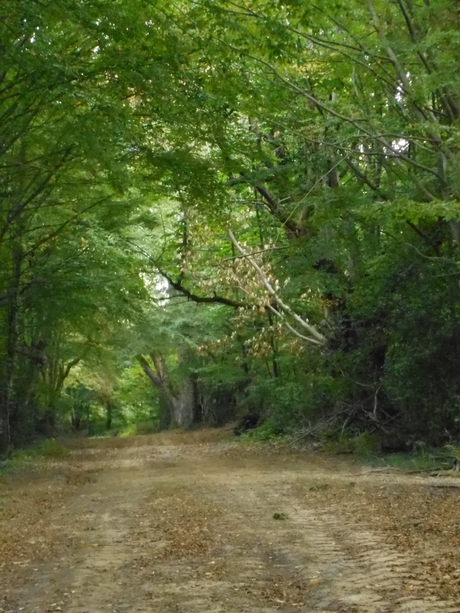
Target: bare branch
{"points": [[177, 285], [284, 307], [292, 329]]}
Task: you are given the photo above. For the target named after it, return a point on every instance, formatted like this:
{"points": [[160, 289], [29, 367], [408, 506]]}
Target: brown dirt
{"points": [[186, 524]]}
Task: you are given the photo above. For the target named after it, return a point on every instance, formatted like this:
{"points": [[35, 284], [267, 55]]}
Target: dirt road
{"points": [[179, 524]]}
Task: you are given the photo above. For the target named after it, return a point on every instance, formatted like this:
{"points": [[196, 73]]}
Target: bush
{"points": [[361, 444], [51, 448], [267, 431]]}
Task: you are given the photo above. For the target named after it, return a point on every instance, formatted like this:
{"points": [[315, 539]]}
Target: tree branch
{"points": [[274, 208], [154, 378], [320, 339], [177, 285], [291, 328]]}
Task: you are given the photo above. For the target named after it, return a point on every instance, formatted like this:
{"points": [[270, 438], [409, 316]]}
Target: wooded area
{"points": [[212, 208]]}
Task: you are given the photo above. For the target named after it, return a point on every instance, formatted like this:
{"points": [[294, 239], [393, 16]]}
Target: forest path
{"points": [[178, 524]]}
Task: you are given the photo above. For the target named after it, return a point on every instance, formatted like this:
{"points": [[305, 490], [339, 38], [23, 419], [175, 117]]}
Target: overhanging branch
{"points": [[177, 285], [315, 335]]}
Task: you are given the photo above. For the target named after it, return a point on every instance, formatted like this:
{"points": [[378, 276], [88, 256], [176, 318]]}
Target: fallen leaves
{"points": [[412, 516], [185, 534]]}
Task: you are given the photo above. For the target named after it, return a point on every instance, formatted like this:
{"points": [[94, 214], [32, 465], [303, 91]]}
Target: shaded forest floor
{"points": [[192, 524]]}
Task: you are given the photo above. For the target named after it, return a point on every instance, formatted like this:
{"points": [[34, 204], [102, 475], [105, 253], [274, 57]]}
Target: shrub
{"points": [[51, 448]]}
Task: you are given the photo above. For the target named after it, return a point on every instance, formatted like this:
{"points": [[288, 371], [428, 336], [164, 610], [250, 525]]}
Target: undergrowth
{"points": [[267, 431], [366, 447], [23, 458]]}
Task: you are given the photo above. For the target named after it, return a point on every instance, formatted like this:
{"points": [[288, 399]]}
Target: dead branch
{"points": [[318, 338]]}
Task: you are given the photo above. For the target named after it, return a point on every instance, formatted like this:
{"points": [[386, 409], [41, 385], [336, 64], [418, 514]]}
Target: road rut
{"points": [[176, 525]]}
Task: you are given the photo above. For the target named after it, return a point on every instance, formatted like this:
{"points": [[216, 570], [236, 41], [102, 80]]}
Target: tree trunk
{"points": [[54, 373], [9, 366], [181, 407], [109, 415]]}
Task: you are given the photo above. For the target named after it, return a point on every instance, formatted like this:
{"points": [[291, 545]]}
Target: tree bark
{"points": [[109, 415], [9, 366], [181, 407]]}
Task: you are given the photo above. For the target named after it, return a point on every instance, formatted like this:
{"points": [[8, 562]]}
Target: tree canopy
{"points": [[210, 208]]}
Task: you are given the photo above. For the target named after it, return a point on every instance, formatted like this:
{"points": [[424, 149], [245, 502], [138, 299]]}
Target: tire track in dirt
{"points": [[179, 529], [352, 568], [93, 534]]}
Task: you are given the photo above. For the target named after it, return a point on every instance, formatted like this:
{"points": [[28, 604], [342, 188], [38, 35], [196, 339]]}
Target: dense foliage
{"points": [[210, 208]]}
